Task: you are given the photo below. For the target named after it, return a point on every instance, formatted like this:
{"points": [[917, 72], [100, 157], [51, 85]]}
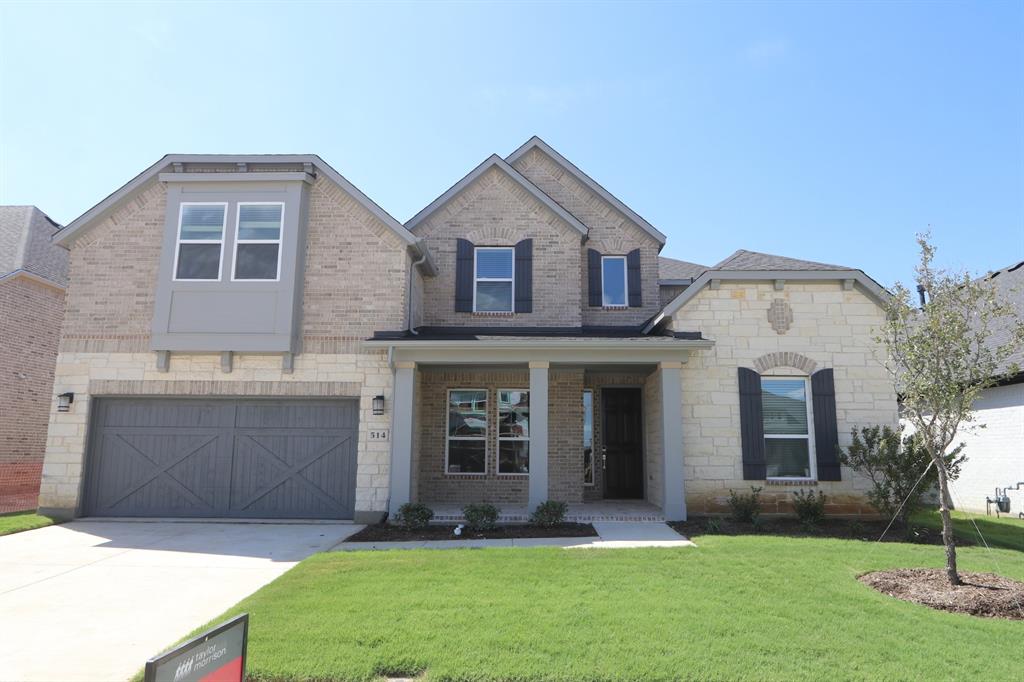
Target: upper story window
{"points": [[200, 244], [614, 290], [494, 273], [787, 433], [258, 241]]}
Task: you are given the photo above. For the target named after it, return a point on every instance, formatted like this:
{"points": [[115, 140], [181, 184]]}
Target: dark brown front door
{"points": [[623, 444]]}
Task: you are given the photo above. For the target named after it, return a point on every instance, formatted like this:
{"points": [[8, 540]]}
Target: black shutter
{"points": [[826, 432], [633, 278], [751, 425], [594, 278], [463, 276], [524, 276]]}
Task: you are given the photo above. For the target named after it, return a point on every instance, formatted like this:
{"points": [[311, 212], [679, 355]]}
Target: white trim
{"points": [[812, 456], [511, 280], [513, 439], [448, 438], [238, 240], [178, 241], [625, 283]]}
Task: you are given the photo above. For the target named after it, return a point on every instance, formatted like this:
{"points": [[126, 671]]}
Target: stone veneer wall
{"points": [[89, 375], [831, 327], [611, 233], [30, 319], [497, 211]]}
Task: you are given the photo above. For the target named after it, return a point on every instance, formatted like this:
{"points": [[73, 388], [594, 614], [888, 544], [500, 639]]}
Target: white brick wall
{"points": [[995, 453]]}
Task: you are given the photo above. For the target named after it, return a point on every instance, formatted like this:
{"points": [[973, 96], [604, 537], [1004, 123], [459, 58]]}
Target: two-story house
{"points": [[251, 336]]}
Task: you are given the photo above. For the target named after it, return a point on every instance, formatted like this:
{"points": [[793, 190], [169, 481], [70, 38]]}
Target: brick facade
{"points": [[496, 211], [30, 319], [611, 233]]}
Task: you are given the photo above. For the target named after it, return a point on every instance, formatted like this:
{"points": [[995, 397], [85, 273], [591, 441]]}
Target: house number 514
{"points": [[379, 435]]}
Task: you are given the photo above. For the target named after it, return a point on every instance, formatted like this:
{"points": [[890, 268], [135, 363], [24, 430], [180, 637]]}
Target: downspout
{"points": [[408, 297]]}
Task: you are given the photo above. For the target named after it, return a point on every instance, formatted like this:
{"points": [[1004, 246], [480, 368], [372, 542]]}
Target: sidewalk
{"points": [[611, 535]]}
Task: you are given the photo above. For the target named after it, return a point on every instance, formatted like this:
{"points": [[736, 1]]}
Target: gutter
{"points": [[538, 344]]}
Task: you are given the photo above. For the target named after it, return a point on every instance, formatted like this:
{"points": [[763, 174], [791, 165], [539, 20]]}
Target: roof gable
{"points": [[82, 224], [495, 161], [537, 143]]}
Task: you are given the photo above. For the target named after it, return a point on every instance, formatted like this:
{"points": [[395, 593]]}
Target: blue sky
{"points": [[828, 131]]}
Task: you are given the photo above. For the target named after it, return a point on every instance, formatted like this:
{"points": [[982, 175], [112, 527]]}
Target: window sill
{"points": [[615, 307], [516, 475], [791, 481], [472, 475], [484, 313]]}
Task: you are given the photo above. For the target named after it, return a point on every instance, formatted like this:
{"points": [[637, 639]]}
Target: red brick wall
{"points": [[30, 319]]}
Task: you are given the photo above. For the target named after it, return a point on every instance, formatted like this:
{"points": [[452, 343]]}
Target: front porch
{"points": [[603, 511], [596, 423]]}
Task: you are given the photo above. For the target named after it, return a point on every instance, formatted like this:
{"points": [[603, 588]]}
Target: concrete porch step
{"points": [[611, 511]]}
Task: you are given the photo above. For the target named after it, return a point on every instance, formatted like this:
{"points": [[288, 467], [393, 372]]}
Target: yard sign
{"points": [[217, 655]]}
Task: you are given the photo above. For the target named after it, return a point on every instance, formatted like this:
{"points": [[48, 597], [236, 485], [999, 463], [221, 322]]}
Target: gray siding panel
{"points": [[247, 458]]}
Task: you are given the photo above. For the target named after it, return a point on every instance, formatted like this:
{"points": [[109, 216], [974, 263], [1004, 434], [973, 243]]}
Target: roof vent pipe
{"points": [[921, 294]]}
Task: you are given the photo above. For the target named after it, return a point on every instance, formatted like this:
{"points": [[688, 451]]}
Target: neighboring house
{"points": [[251, 336], [995, 453], [33, 275]]}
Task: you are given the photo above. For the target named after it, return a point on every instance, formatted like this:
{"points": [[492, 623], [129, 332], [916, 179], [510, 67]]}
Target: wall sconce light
{"points": [[378, 405], [64, 401]]}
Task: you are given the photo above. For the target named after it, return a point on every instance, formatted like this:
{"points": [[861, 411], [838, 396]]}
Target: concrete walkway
{"points": [[91, 601], [611, 535]]}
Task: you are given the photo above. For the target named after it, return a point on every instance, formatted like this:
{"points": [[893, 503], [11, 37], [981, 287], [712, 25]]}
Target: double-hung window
{"points": [[513, 431], [200, 243], [614, 289], [788, 442], [466, 444], [494, 274], [258, 241]]}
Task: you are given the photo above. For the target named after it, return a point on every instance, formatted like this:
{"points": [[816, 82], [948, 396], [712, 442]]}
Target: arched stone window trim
{"points": [[785, 359]]}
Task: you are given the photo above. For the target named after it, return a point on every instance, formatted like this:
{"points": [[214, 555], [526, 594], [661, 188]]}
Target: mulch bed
{"points": [[383, 532], [843, 529], [982, 594]]}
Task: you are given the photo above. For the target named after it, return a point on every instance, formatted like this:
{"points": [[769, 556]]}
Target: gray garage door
{"points": [[289, 459]]}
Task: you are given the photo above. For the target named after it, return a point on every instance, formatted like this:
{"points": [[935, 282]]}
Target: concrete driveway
{"points": [[92, 600]]}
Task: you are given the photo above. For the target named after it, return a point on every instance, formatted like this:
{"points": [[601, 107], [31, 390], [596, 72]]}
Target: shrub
{"points": [[413, 515], [712, 526], [745, 506], [809, 507], [481, 516], [550, 513], [895, 465]]}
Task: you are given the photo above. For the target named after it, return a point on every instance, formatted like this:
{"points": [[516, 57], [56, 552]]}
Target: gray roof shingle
{"points": [[25, 244], [753, 260], [1009, 286], [672, 268]]}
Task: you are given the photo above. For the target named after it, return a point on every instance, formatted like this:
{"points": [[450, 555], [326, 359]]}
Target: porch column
{"points": [[674, 501], [401, 436], [538, 432]]}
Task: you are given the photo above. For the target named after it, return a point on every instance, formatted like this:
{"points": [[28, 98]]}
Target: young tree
{"points": [[941, 356]]}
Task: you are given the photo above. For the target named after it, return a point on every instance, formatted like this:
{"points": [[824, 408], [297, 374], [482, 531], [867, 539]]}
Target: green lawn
{"points": [[734, 607], [1007, 531], [15, 523]]}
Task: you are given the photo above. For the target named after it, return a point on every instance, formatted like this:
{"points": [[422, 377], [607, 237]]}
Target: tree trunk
{"points": [[947, 523]]}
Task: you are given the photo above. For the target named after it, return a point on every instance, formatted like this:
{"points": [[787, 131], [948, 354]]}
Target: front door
{"points": [[623, 444]]}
